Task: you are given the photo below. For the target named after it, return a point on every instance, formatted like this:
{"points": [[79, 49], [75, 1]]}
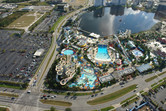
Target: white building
{"points": [[38, 53]]}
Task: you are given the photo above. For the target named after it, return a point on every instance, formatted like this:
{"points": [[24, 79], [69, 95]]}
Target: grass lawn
{"points": [[25, 20], [72, 94], [107, 108], [130, 101], [158, 85], [9, 86], [154, 77], [112, 96], [54, 102], [8, 94]]}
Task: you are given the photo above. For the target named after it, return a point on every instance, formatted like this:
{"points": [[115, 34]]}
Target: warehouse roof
{"points": [[143, 67]]}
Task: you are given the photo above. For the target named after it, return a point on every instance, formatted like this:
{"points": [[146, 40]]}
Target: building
{"points": [[131, 44], [118, 2], [160, 53], [161, 12], [136, 2], [99, 3], [150, 4], [126, 71], [162, 40], [117, 10], [98, 12], [105, 78], [63, 7], [82, 42], [143, 107], [38, 53], [94, 35], [156, 45], [118, 62], [144, 67], [8, 5], [137, 53]]}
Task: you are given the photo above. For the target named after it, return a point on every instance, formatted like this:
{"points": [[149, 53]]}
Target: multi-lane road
{"points": [[28, 102]]}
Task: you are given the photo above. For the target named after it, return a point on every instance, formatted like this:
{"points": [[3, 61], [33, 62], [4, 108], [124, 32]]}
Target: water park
{"points": [[87, 61]]}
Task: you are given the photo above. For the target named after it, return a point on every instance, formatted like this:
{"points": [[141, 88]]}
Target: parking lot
{"points": [[47, 22], [160, 97], [16, 55]]}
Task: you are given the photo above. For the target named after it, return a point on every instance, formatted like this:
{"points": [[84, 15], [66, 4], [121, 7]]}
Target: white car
{"points": [[29, 91]]}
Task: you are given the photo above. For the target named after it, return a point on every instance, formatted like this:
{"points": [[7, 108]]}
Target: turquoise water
{"points": [[68, 52], [102, 53], [87, 78], [137, 53]]}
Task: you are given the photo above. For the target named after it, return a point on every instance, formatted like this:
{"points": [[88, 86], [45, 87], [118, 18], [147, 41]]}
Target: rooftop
{"points": [[105, 78], [143, 67]]}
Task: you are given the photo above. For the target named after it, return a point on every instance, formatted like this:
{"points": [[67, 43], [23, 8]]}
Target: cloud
{"points": [[130, 11]]}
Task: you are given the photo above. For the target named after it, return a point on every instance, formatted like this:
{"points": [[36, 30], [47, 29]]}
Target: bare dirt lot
{"points": [[25, 21]]}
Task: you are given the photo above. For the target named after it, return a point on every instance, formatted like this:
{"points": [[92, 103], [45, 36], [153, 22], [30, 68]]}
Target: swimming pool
{"points": [[102, 53], [68, 52], [137, 53], [87, 79]]}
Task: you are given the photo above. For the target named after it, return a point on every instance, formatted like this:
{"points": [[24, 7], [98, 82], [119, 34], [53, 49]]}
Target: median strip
{"points": [[129, 100], [112, 96], [54, 102], [8, 94], [107, 108], [154, 77], [72, 93]]}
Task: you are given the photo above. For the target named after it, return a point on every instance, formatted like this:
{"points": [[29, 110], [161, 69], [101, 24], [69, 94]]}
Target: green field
{"points": [[25, 20], [112, 96], [54, 102], [154, 77]]}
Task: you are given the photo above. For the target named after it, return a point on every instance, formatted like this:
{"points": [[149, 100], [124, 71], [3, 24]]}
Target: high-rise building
{"points": [[99, 3], [136, 2], [118, 2], [98, 12], [117, 10], [161, 12]]}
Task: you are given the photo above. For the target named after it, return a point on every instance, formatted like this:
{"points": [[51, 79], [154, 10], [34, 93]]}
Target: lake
{"points": [[111, 20]]}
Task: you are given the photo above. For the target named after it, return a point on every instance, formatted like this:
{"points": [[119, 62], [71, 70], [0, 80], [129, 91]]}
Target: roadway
{"points": [[31, 101]]}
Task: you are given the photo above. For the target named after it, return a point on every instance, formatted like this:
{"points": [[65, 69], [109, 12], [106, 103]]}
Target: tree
{"points": [[52, 109], [68, 109]]}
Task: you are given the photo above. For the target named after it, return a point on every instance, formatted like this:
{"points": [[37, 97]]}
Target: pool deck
{"points": [[92, 52]]}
